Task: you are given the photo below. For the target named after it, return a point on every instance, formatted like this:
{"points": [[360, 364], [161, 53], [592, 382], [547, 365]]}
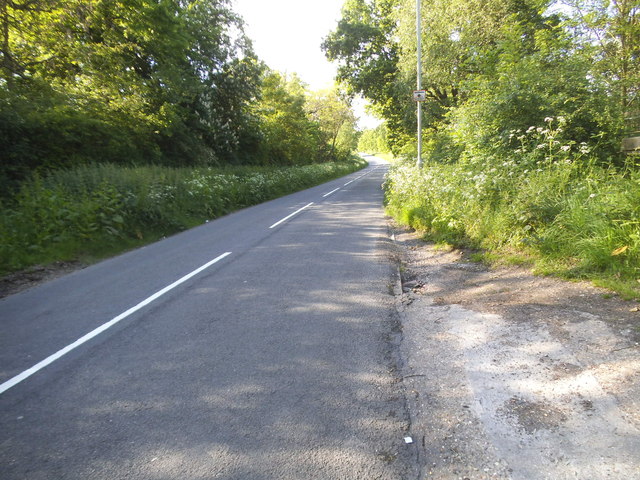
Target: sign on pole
{"points": [[420, 95]]}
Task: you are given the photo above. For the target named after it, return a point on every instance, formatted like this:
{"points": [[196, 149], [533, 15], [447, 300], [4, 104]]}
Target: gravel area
{"points": [[514, 376]]}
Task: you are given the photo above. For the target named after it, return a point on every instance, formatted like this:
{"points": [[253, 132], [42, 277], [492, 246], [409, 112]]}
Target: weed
{"points": [[548, 205], [99, 210]]}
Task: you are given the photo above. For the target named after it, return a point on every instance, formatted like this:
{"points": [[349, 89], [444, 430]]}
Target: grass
{"points": [[93, 212], [566, 217]]}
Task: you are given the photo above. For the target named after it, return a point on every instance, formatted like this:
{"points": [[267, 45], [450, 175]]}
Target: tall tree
{"points": [[460, 39], [166, 78], [290, 136], [609, 30], [333, 113], [365, 46]]}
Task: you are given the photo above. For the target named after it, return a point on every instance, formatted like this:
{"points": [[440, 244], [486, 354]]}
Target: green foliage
{"points": [[525, 88], [138, 82], [331, 110], [492, 67], [123, 81], [374, 140], [291, 137], [364, 45], [44, 132], [610, 33], [94, 208], [560, 210]]}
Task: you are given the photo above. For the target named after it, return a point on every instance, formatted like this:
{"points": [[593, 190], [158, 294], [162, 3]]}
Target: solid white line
{"points": [[94, 333], [349, 183], [289, 216], [332, 191]]}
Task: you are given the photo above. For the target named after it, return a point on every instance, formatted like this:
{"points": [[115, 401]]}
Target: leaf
{"points": [[620, 251]]}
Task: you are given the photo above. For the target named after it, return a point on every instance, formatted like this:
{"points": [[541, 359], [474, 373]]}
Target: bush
{"points": [[103, 208], [573, 216]]}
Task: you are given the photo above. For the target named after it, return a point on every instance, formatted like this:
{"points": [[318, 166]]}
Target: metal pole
{"points": [[419, 76]]}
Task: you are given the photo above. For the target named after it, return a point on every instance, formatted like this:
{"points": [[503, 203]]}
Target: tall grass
{"points": [[558, 211], [102, 209]]}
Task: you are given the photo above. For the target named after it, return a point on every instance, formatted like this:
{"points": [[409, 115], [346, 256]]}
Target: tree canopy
{"points": [[144, 81], [493, 67]]}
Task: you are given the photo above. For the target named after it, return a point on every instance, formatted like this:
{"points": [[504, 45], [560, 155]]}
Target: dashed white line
{"points": [[289, 216], [363, 175], [105, 326], [332, 191], [94, 333]]}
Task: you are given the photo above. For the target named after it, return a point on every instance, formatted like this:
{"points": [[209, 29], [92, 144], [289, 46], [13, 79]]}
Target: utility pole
{"points": [[419, 83]]}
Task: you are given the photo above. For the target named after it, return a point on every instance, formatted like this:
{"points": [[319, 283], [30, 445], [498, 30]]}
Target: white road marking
{"points": [[94, 333], [289, 216], [60, 353], [363, 175], [332, 191]]}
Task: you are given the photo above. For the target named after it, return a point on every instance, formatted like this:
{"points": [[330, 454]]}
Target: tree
{"points": [[489, 67], [337, 122], [374, 140], [365, 46], [459, 39], [609, 32], [290, 136], [375, 45], [123, 81]]}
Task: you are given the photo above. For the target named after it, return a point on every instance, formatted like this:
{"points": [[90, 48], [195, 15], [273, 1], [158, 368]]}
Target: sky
{"points": [[287, 35]]}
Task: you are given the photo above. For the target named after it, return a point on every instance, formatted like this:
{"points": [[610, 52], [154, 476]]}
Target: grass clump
{"points": [[554, 209], [94, 211]]}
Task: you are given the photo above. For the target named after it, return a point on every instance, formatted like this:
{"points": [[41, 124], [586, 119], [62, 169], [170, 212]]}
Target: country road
{"points": [[257, 346]]}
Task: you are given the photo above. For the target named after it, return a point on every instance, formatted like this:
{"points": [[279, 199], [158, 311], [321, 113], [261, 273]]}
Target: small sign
{"points": [[420, 95]]}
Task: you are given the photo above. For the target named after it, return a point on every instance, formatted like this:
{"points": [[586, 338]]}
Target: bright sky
{"points": [[287, 35]]}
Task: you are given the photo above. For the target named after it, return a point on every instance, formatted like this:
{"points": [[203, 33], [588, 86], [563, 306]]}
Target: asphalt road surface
{"points": [[257, 346]]}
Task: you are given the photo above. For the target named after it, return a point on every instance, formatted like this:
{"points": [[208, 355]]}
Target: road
{"points": [[257, 346]]}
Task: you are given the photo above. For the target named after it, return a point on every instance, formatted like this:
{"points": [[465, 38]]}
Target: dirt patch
{"points": [[533, 416], [515, 376], [25, 279]]}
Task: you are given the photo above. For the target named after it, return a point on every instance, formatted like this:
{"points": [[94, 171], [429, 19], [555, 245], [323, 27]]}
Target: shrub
{"points": [[93, 208], [578, 218]]}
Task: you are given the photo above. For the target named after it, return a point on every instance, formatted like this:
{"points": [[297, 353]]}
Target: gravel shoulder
{"points": [[513, 376]]}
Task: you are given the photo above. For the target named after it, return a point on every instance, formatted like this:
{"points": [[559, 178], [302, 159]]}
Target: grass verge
{"points": [[576, 220], [93, 212]]}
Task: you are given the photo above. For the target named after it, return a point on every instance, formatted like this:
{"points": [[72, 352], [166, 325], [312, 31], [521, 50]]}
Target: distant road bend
{"points": [[253, 347]]}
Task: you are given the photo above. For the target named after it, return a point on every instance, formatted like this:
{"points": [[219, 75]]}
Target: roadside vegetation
{"points": [[578, 221], [122, 121], [528, 104], [93, 211]]}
